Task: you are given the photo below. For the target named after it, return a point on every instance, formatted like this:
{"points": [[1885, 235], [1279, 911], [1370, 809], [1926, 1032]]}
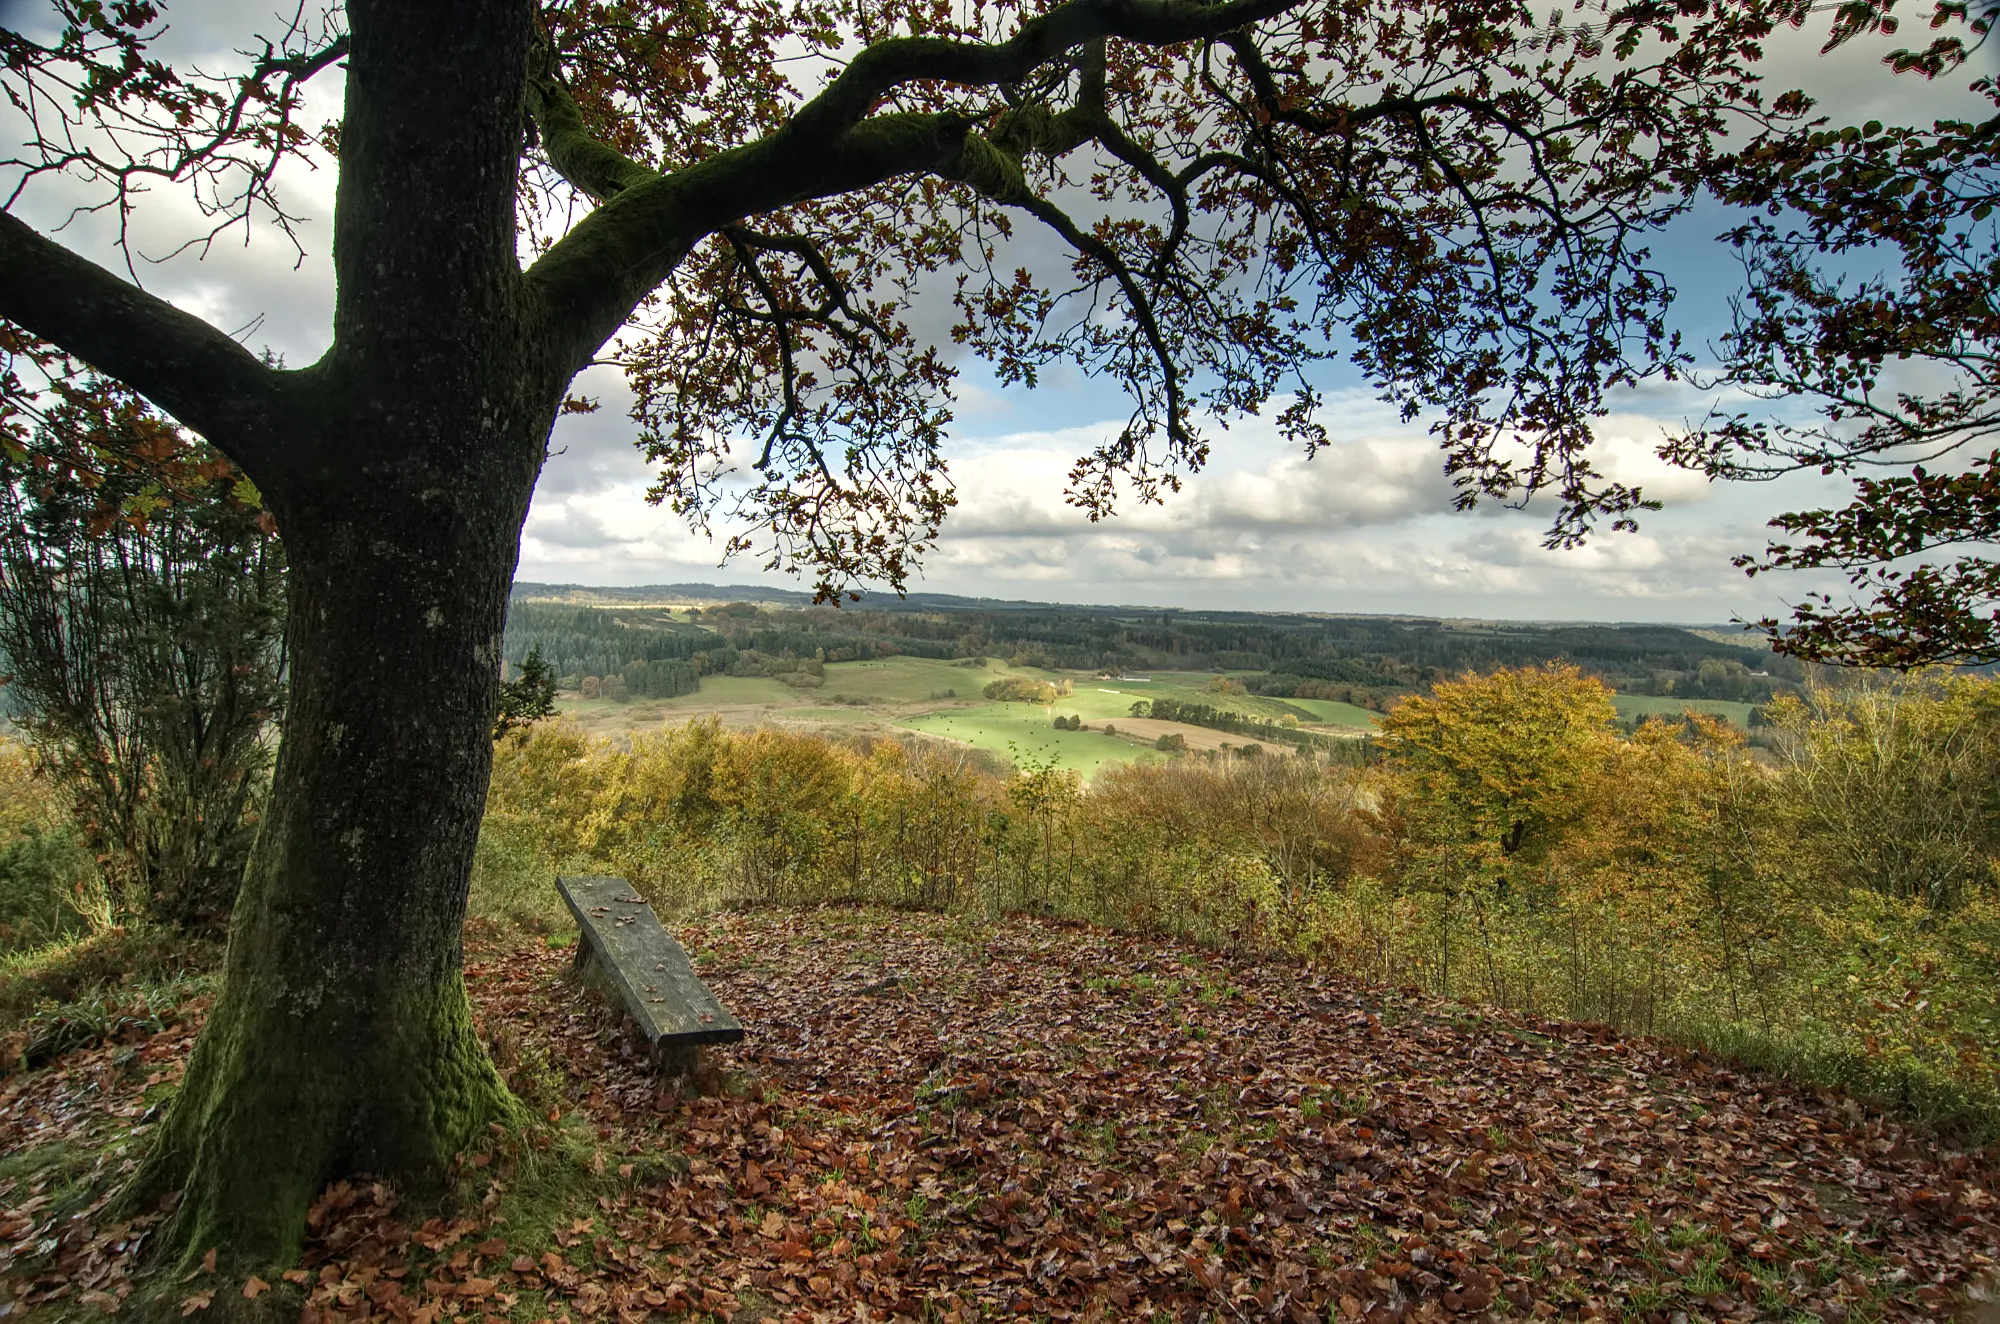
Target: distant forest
{"points": [[605, 633]]}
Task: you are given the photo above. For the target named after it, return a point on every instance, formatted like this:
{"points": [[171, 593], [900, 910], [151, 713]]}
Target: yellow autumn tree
{"points": [[1491, 769], [1665, 915], [1482, 779]]}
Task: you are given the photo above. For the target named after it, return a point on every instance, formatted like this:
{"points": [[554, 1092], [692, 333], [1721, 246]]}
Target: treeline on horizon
{"points": [[1369, 660]]}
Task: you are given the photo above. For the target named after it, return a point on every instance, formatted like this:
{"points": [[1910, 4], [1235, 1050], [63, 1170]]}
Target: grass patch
{"points": [[1655, 705], [1022, 731], [153, 964], [63, 1174], [546, 1178], [1332, 712], [1909, 1087], [513, 887]]}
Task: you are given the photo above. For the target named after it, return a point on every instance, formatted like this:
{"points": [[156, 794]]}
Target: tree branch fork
{"points": [[578, 294]]}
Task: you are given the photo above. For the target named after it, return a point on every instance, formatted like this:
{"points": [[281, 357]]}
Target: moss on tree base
{"points": [[270, 1112]]}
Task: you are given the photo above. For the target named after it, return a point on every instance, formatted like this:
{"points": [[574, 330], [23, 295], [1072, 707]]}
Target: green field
{"points": [[1022, 732], [1653, 705], [1332, 712], [1192, 687], [947, 699], [903, 680], [728, 691]]}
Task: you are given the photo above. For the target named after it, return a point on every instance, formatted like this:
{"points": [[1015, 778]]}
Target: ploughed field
{"points": [[936, 1118]]}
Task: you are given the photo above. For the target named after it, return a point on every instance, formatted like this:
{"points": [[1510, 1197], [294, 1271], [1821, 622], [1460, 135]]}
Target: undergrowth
{"points": [[120, 985], [1832, 917]]}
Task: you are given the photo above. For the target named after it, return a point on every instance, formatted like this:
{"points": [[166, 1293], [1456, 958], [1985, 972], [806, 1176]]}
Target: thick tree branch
{"points": [[590, 282], [597, 171], [173, 358], [888, 65]]}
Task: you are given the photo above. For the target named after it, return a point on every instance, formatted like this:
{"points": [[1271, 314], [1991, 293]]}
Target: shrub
{"points": [[1891, 785], [1511, 847], [1023, 689], [44, 865], [147, 654]]}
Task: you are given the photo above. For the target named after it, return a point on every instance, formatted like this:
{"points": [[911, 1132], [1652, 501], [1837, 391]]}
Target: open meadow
{"points": [[945, 700], [1640, 706]]}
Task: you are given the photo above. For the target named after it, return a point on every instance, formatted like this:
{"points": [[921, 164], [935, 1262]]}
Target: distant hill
{"points": [[651, 593], [743, 629], [584, 594]]}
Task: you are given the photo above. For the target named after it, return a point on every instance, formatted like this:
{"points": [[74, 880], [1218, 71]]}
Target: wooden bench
{"points": [[625, 954]]}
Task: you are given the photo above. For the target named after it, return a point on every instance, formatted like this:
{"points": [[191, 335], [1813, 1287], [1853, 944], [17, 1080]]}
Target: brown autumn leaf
{"points": [[196, 1301], [254, 1287], [1497, 1159]]}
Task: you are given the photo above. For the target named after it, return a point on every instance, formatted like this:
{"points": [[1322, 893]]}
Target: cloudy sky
{"points": [[1366, 526]]}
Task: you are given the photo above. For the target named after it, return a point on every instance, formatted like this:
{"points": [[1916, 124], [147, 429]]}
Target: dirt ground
{"points": [[937, 1118]]}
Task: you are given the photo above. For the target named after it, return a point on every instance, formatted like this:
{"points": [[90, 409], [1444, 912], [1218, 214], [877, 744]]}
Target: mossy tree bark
{"points": [[342, 1040], [400, 471]]}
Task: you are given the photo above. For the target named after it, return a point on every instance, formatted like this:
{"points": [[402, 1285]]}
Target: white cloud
{"points": [[1366, 526]]}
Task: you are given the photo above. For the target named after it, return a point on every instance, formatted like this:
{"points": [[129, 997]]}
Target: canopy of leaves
{"points": [[1237, 190], [1901, 364], [1497, 761]]}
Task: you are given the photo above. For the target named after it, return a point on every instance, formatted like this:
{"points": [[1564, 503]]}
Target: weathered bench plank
{"points": [[625, 950]]}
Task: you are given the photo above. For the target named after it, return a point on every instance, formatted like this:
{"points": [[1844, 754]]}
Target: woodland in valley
{"points": [[599, 631], [1335, 968]]}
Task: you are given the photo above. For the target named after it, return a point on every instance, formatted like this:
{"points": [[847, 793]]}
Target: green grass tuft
{"points": [[124, 965]]}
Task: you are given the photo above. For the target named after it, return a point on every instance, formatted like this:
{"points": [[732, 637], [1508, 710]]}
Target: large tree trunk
{"points": [[342, 1042]]}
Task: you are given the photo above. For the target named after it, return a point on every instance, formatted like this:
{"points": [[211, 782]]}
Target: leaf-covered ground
{"points": [[937, 1119]]}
